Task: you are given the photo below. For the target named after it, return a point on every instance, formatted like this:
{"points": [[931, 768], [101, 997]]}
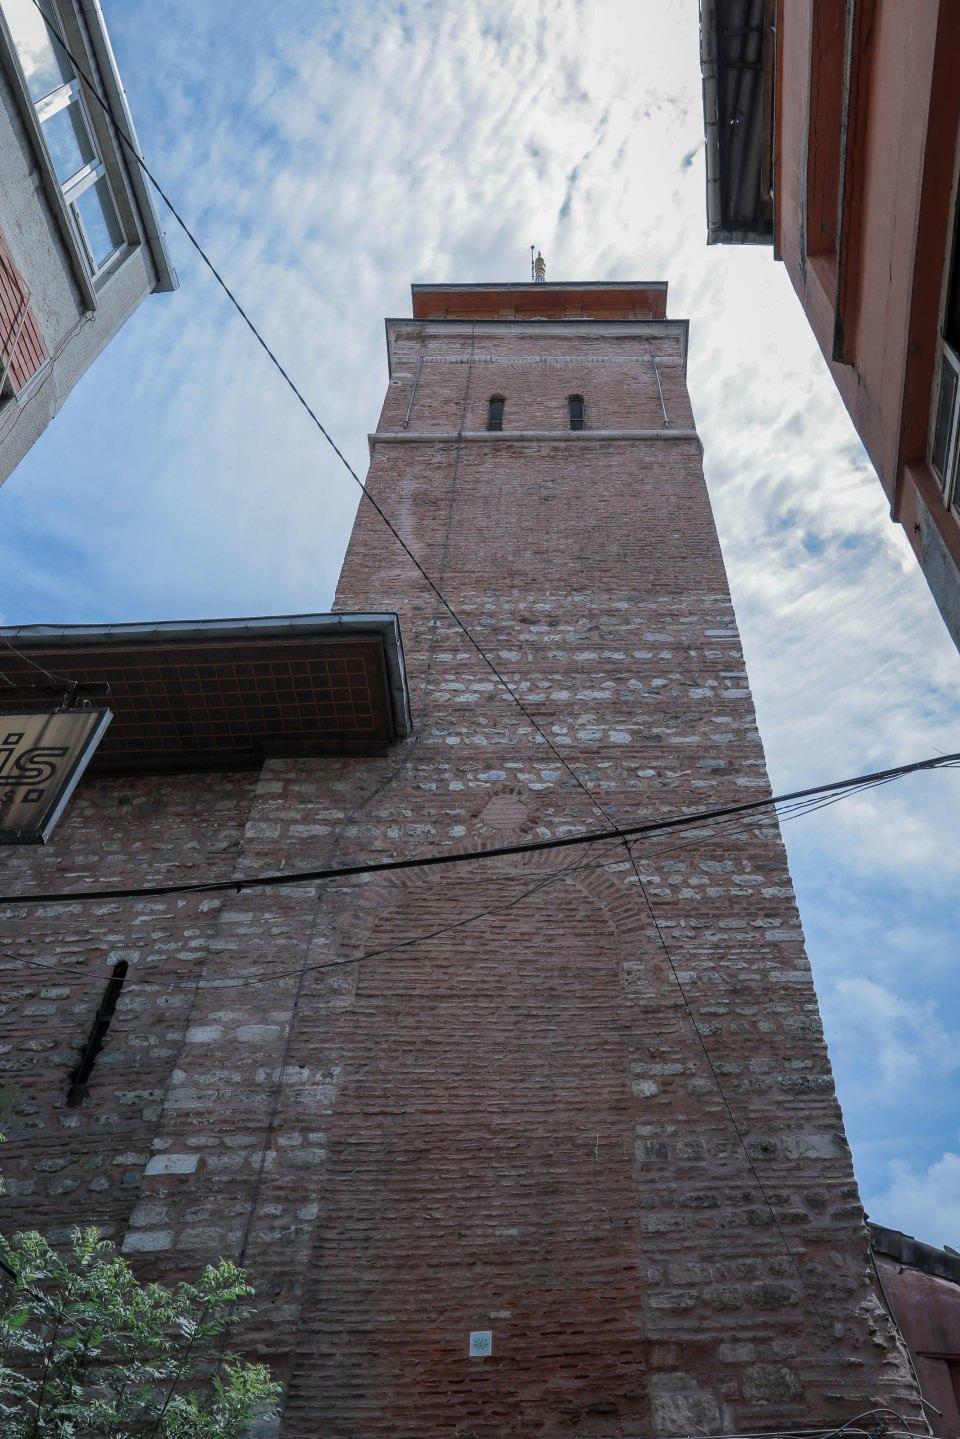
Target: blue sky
{"points": [[335, 154]]}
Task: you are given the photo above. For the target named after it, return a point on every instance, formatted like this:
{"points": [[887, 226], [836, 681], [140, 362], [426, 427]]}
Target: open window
{"points": [[944, 453]]}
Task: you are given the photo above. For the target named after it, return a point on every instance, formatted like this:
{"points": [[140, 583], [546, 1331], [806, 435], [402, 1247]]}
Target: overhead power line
{"points": [[429, 861], [172, 979], [726, 828]]}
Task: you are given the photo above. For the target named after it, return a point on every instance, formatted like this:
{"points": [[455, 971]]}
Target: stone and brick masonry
{"points": [[508, 1125]]}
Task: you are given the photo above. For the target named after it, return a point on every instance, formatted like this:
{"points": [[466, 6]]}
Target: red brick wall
{"points": [[82, 1165], [510, 1125]]}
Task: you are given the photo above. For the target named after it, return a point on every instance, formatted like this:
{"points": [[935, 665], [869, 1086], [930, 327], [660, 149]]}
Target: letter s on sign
{"points": [[38, 764]]}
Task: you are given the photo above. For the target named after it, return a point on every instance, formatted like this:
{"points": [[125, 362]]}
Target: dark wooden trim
{"points": [[861, 20]]}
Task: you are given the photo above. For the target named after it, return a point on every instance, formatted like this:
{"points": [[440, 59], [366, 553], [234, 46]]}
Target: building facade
{"points": [[921, 1284], [542, 1143], [833, 133], [80, 245]]}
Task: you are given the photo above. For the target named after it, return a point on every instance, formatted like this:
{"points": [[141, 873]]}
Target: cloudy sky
{"points": [[329, 158]]}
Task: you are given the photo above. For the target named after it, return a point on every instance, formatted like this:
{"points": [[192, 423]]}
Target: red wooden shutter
{"points": [[22, 350]]}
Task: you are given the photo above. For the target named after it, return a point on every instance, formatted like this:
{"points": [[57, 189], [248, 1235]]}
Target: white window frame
{"points": [[949, 480], [70, 92]]}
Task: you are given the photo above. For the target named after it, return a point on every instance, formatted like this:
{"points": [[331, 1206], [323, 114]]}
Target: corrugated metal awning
{"points": [[219, 693], [737, 65]]}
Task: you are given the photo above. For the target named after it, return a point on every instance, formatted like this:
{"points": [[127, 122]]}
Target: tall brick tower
{"points": [[527, 1137], [576, 1108]]}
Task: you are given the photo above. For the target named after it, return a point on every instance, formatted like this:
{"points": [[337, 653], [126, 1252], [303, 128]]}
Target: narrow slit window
{"points": [[79, 1087], [495, 412], [575, 406]]}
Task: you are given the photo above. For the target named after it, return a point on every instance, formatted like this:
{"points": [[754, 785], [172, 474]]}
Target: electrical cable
{"points": [[873, 1413], [268, 977], [58, 680], [20, 411], [827, 1433], [620, 832], [182, 979], [726, 829], [896, 1325], [728, 826]]}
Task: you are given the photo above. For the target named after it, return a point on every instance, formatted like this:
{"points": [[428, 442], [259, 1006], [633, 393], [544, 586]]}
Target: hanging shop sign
{"points": [[42, 757]]}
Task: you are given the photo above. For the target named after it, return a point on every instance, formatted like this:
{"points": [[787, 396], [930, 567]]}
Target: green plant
{"points": [[87, 1349]]}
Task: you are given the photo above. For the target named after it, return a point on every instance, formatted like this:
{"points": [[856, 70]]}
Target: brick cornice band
{"points": [[577, 436]]}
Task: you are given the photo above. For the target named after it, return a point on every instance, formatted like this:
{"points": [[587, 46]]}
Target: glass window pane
{"points": [[44, 62], [68, 141], [99, 221], [941, 428]]}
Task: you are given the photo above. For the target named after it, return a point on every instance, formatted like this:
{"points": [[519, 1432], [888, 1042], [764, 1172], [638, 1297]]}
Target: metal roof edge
{"points": [[708, 74], [718, 232], [544, 285], [914, 1253], [386, 624], [559, 321]]}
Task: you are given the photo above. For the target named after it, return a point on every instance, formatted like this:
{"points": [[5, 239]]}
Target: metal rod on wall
{"points": [[656, 376]]}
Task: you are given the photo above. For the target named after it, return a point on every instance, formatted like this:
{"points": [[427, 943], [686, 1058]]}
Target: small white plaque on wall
{"points": [[481, 1344]]}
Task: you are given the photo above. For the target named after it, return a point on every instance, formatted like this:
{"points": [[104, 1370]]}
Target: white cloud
{"points": [[901, 1041], [922, 1202]]}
